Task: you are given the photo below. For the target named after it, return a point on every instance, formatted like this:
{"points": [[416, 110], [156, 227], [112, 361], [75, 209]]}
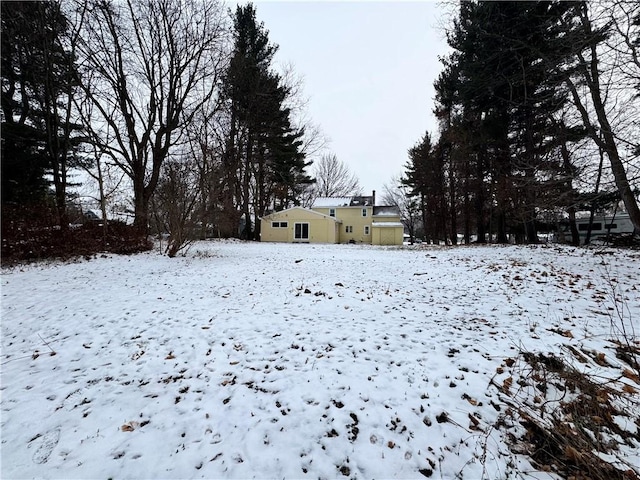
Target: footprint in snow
{"points": [[48, 442]]}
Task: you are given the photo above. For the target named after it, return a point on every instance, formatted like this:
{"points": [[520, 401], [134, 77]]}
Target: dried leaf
{"points": [[506, 385], [572, 454], [129, 426], [630, 375]]}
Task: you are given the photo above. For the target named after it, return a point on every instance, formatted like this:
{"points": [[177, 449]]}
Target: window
{"points": [[348, 229], [332, 212], [284, 224], [364, 212], [366, 229], [301, 231], [279, 224]]}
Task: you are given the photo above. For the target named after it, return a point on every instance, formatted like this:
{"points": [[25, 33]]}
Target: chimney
{"points": [[373, 199]]}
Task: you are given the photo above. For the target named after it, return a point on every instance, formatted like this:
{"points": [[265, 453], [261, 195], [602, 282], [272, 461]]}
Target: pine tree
{"points": [[425, 177], [39, 80], [263, 160], [500, 92]]}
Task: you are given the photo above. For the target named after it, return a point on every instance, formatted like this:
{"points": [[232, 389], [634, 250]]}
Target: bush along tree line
{"points": [[176, 102], [537, 105]]}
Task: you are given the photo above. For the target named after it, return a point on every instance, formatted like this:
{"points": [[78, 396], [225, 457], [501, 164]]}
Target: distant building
{"points": [[335, 220]]}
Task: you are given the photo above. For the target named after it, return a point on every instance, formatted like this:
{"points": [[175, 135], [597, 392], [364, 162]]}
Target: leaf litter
{"points": [[468, 362]]}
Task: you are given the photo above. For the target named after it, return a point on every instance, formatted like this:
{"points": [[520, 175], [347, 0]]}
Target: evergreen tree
{"points": [[39, 79], [499, 93], [263, 160], [425, 177]]}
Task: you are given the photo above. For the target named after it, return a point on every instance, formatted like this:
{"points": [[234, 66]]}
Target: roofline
{"points": [[387, 224], [301, 208], [356, 206]]}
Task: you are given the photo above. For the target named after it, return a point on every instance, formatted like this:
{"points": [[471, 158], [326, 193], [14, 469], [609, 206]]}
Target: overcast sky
{"points": [[368, 71]]}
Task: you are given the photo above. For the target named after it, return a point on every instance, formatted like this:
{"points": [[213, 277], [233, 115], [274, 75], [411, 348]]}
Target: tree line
{"points": [[537, 106], [178, 100]]}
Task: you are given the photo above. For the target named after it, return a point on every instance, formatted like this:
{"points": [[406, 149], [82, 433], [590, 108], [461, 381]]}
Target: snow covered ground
{"points": [[248, 360]]}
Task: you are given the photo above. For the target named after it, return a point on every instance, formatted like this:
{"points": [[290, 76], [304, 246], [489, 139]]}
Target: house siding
{"points": [[348, 225], [351, 217], [321, 229], [388, 234]]}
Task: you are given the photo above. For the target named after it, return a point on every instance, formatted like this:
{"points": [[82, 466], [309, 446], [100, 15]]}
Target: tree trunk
{"points": [[103, 203], [569, 170], [603, 136], [246, 190], [140, 206], [453, 202], [479, 200]]}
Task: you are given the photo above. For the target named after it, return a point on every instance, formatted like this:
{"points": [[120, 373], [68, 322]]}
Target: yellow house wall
{"points": [[352, 217], [321, 230], [270, 234], [391, 236]]}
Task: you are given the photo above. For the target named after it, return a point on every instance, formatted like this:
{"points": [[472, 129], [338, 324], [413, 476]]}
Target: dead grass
{"points": [[574, 423]]}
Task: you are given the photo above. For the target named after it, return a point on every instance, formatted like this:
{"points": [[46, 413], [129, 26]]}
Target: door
{"points": [[387, 236], [301, 232]]}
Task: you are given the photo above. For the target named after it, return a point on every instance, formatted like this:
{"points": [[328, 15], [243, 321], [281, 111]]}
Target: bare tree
{"points": [[397, 194], [314, 140], [108, 179], [595, 106], [175, 202], [184, 204], [154, 64], [625, 42], [334, 178]]}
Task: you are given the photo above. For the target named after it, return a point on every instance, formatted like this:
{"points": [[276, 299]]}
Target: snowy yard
{"points": [[248, 360]]}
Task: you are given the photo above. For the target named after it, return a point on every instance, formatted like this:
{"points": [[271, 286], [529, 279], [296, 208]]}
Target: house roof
{"points": [[387, 224], [266, 217], [361, 201], [357, 201], [332, 202], [386, 210]]}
